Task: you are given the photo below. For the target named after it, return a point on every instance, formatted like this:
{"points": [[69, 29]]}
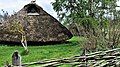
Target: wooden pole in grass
{"points": [[16, 59]]}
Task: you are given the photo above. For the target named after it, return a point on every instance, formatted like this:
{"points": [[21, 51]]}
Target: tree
{"points": [[73, 11], [89, 16], [4, 16], [14, 26]]}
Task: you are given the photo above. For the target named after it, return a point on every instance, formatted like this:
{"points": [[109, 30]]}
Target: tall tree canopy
{"points": [[87, 13], [92, 16], [72, 9]]}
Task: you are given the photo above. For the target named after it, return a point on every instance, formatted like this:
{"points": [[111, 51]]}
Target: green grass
{"points": [[38, 53], [78, 39]]}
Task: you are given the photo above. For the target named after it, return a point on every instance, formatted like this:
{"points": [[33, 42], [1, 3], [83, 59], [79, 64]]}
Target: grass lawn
{"points": [[37, 53]]}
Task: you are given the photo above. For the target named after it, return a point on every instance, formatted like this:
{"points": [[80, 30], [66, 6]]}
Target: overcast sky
{"points": [[16, 5]]}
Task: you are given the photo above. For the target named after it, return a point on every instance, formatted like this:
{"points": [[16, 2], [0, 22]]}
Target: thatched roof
{"points": [[38, 25]]}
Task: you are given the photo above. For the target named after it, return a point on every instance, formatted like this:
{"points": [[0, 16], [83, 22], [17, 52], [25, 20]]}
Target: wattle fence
{"points": [[110, 58]]}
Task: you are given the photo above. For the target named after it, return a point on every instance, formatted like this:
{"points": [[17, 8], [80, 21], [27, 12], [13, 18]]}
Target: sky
{"points": [[16, 5]]}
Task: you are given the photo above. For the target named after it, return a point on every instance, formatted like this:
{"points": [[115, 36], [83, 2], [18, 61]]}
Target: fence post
{"points": [[16, 59]]}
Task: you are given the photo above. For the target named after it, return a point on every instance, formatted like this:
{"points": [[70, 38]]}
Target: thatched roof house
{"points": [[38, 25]]}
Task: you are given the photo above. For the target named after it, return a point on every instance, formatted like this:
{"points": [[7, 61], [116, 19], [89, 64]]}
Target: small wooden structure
{"points": [[16, 59]]}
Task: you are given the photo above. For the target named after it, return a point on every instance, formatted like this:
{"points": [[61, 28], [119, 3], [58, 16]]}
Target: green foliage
{"points": [[92, 15], [75, 9], [98, 18]]}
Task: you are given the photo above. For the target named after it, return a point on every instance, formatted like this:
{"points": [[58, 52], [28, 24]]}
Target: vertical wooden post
{"points": [[16, 59]]}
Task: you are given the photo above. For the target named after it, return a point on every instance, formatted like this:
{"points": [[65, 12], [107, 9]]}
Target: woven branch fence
{"points": [[110, 58]]}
